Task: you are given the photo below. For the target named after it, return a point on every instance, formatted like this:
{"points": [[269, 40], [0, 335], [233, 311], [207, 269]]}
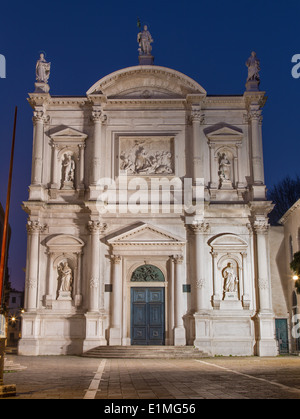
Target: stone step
{"points": [[145, 352]]}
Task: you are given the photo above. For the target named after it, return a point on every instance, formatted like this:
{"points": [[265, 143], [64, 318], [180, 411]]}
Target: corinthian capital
{"points": [[98, 116], [261, 226], [254, 115], [39, 116], [199, 227], [35, 227], [97, 227]]}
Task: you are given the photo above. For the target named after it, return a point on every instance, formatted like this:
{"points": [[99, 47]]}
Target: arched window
{"points": [[147, 273]]}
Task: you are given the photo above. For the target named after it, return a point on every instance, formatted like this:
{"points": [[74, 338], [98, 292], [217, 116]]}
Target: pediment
{"points": [[68, 133], [228, 242], [146, 234], [64, 243], [224, 131], [146, 82]]}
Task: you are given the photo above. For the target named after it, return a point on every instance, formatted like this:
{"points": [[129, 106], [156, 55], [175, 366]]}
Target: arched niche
{"points": [[63, 249]]}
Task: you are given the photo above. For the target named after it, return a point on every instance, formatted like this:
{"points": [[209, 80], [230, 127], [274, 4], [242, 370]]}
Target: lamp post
{"points": [[5, 390]]}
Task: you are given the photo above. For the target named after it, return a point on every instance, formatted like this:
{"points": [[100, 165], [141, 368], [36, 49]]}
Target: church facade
{"points": [[147, 218]]}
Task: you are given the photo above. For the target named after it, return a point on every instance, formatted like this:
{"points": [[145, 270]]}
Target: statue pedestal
{"points": [[68, 185], [146, 59], [230, 296], [64, 295], [41, 87], [226, 184], [252, 86]]}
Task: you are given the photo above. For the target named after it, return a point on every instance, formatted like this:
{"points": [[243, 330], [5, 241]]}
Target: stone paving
{"points": [[67, 377]]}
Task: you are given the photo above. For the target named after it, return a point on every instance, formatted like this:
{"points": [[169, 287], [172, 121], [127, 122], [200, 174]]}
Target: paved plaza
{"points": [[70, 377]]}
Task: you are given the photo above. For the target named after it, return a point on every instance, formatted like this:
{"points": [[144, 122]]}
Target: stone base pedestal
{"points": [[94, 331], [146, 59], [41, 87], [115, 336], [266, 342], [64, 295], [252, 86], [179, 336]]}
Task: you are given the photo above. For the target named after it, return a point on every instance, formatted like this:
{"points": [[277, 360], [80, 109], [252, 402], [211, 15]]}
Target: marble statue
{"points": [[66, 277], [144, 39], [42, 70], [253, 65], [230, 279], [68, 168], [224, 168]]}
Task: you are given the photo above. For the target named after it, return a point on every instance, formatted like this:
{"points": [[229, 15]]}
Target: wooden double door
{"points": [[147, 316]]}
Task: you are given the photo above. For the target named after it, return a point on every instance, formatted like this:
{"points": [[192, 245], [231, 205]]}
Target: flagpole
{"points": [[6, 226], [6, 390]]}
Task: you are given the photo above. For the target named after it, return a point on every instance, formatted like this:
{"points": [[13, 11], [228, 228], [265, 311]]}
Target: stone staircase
{"points": [[154, 352]]}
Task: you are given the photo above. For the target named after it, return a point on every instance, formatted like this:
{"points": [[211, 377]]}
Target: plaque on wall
{"points": [[147, 156]]}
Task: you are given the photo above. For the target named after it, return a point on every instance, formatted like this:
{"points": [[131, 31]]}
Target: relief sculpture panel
{"points": [[146, 155]]}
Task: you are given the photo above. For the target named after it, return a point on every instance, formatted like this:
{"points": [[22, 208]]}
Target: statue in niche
{"points": [[253, 65], [68, 172], [42, 70], [230, 279], [65, 276], [144, 39], [224, 168]]}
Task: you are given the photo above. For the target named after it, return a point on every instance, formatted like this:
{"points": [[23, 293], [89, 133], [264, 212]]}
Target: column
{"points": [[255, 118], [98, 118], [54, 177], [216, 296], [261, 230], [246, 294], [179, 330], [197, 148], [34, 229], [94, 317], [199, 229], [81, 167], [77, 294], [95, 228], [266, 342], [37, 158], [116, 306]]}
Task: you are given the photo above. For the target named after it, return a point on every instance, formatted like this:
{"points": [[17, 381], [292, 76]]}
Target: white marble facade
{"points": [[135, 126]]}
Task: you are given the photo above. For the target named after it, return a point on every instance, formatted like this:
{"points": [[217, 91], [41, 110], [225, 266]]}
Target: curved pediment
{"points": [[143, 82], [228, 241], [64, 243]]}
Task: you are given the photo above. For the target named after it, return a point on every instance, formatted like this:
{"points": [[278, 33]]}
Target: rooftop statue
{"points": [[253, 79], [42, 70], [253, 65], [144, 39]]}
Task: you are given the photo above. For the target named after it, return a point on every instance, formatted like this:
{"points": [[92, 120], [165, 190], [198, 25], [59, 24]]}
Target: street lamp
{"points": [[295, 277]]}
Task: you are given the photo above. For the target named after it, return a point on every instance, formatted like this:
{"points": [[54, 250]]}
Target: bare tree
{"points": [[283, 195]]}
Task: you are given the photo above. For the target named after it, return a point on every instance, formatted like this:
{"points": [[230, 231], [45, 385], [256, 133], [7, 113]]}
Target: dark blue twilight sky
{"points": [[86, 40]]}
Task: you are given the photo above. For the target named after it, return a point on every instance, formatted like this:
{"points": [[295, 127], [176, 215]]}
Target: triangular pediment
{"points": [[68, 133], [223, 131], [146, 234], [145, 82]]}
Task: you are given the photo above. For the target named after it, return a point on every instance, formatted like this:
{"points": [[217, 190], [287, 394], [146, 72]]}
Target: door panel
{"points": [[147, 316], [282, 335]]}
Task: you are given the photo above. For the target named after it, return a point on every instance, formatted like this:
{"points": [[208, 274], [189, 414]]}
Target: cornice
{"points": [[289, 212]]}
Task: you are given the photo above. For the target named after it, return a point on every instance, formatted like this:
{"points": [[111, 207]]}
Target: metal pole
{"points": [[5, 390]]}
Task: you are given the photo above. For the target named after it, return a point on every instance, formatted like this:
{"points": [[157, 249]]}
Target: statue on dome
{"points": [[144, 40]]}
